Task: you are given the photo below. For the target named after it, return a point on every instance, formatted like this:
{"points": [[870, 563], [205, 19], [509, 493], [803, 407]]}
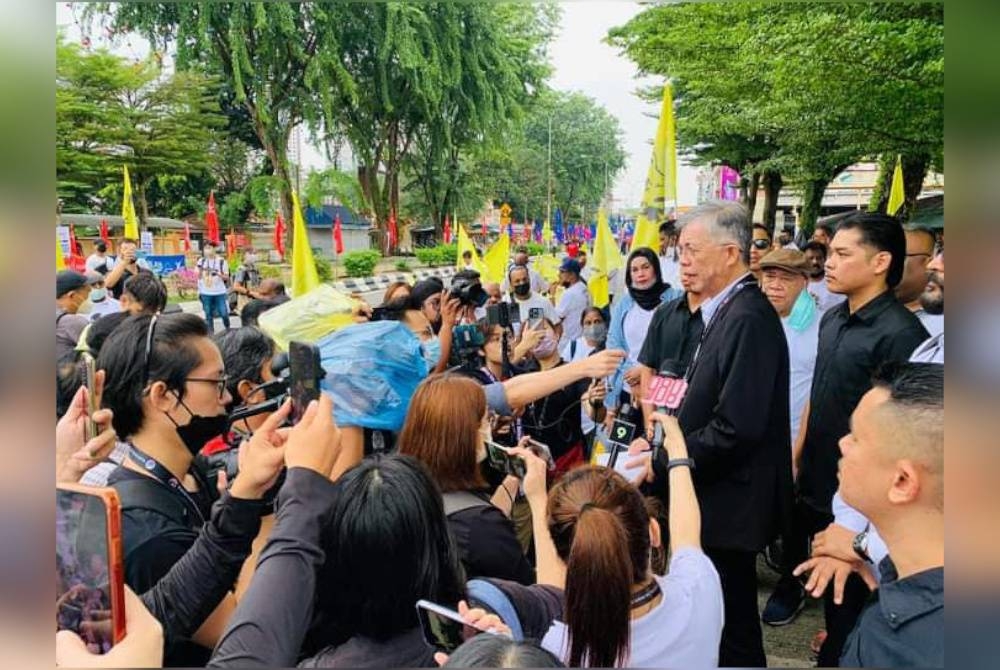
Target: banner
{"points": [[162, 265], [146, 241]]}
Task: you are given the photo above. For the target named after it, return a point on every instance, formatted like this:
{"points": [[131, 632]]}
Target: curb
{"points": [[382, 281]]}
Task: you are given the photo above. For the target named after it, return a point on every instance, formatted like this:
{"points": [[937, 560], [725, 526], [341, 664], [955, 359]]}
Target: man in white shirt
{"points": [[932, 302], [816, 252], [213, 275], [538, 283], [585, 272], [101, 302], [526, 299], [575, 299], [920, 244], [99, 261], [670, 264]]}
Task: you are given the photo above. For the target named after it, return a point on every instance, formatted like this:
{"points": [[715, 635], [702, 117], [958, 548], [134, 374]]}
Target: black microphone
{"points": [[669, 369]]}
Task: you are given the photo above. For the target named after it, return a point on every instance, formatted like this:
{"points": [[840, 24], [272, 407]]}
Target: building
{"points": [[319, 224]]}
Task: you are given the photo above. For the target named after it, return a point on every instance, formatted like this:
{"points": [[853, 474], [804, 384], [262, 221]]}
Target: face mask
{"points": [[522, 290], [802, 312], [432, 353], [545, 348], [597, 332], [98, 294], [200, 429]]}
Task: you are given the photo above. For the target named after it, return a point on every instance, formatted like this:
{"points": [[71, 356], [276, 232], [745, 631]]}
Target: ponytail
{"points": [[598, 590]]}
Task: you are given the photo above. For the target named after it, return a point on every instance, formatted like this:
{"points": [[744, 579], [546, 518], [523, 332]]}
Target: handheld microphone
{"points": [[666, 391]]}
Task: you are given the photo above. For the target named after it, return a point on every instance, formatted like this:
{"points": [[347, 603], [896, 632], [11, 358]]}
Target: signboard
{"points": [[162, 265], [62, 232], [146, 241]]}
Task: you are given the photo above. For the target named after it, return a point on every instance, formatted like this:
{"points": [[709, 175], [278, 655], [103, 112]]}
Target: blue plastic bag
{"points": [[372, 370]]}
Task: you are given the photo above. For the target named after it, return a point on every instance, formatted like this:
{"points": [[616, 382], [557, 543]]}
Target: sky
{"points": [[581, 62]]}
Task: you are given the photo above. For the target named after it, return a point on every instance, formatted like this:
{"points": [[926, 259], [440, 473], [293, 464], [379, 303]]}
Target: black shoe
{"points": [[773, 557], [785, 603]]}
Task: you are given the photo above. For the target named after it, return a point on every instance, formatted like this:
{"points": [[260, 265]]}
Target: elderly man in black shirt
{"points": [[892, 471], [870, 327], [735, 412]]}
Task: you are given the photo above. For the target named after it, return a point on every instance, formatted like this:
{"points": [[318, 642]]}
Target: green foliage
{"points": [[333, 183], [323, 267], [402, 266], [535, 249], [270, 270], [361, 263], [442, 254]]}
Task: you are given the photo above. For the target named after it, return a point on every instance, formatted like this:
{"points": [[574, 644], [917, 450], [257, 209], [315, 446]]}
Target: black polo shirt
{"points": [[851, 347], [902, 625], [674, 333]]}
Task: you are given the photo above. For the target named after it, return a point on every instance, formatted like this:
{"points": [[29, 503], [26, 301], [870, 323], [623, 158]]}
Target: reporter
{"points": [[618, 613], [247, 354], [445, 430]]}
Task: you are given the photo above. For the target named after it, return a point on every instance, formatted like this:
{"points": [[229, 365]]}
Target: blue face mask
{"points": [[432, 353], [803, 312]]}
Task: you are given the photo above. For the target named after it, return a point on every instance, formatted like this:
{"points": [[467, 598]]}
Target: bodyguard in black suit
{"points": [[735, 416]]}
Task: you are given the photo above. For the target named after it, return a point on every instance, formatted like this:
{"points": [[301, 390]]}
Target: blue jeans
{"points": [[215, 306]]}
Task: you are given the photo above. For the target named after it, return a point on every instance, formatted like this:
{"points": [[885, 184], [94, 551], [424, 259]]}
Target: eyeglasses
{"points": [[761, 244], [221, 382], [688, 250]]}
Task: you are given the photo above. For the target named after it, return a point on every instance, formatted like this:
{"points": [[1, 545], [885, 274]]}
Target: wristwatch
{"points": [[860, 545], [677, 462]]}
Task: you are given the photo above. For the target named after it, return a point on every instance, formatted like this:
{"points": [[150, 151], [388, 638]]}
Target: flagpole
{"points": [[548, 205]]}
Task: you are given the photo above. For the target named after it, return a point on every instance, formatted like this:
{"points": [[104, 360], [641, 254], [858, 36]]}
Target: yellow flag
{"points": [[605, 258], [465, 244], [60, 261], [128, 209], [495, 259], [661, 180], [547, 232], [598, 286], [548, 267], [897, 196], [304, 275]]}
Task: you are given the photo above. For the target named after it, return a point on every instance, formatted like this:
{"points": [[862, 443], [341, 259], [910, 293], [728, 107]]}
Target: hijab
{"points": [[647, 298]]}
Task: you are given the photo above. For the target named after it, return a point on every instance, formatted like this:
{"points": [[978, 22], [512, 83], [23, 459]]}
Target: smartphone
{"points": [[305, 373], [535, 316], [444, 628], [502, 461], [89, 382], [90, 582], [542, 450]]}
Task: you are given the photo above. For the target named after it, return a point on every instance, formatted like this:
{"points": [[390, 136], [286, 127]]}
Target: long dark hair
{"points": [[387, 547], [600, 528]]}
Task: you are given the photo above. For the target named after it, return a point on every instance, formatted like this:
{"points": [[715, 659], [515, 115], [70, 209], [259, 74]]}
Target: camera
{"points": [[468, 289], [503, 314]]}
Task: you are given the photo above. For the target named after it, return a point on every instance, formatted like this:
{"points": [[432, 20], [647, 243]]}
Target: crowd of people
{"points": [[809, 428]]}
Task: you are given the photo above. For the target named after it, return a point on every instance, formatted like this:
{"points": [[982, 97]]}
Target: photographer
{"points": [[248, 356], [213, 279], [166, 387], [127, 265]]}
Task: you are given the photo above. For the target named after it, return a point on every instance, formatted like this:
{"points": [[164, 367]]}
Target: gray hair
{"points": [[726, 220]]}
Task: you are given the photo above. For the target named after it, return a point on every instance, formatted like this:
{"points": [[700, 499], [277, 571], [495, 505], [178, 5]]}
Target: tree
{"points": [[110, 112]]}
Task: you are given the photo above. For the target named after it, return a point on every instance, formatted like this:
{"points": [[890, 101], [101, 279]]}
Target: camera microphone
{"points": [[666, 391]]}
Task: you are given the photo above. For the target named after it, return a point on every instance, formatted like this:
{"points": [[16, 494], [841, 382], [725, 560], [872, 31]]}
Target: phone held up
{"points": [[443, 628], [305, 374], [90, 583], [90, 382]]}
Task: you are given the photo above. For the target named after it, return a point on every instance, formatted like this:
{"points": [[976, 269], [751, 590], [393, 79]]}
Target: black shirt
{"points": [[488, 545], [851, 348], [119, 287], [674, 333], [903, 623], [555, 419]]}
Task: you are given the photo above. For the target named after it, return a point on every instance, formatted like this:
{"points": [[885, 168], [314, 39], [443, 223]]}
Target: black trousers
{"points": [[840, 619], [742, 640]]}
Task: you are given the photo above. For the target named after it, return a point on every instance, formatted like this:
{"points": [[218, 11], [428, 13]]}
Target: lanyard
{"points": [[719, 314], [162, 475]]}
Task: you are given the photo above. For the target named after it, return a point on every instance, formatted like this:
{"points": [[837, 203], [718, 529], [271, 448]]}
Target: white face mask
{"points": [[98, 294]]}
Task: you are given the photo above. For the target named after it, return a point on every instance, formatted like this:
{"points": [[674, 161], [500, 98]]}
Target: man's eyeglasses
{"points": [[761, 244], [221, 382]]}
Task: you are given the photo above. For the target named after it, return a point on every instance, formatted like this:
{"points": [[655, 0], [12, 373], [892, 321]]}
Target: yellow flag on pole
{"points": [[465, 244], [548, 267], [897, 195], [304, 275], [547, 232], [661, 180], [606, 258], [128, 209], [60, 261], [495, 259]]}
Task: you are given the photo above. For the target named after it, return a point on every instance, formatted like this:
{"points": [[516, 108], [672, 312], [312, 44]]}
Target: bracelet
{"points": [[678, 462]]}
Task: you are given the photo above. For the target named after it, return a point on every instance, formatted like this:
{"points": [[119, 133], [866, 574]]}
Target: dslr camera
{"points": [[467, 287]]}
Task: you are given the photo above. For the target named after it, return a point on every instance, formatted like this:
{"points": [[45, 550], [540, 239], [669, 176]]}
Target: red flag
{"points": [[187, 236], [279, 234], [393, 232], [338, 236], [212, 219], [72, 241], [485, 232], [447, 230], [104, 232]]}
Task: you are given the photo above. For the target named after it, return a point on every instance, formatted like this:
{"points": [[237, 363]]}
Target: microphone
{"points": [[666, 391]]}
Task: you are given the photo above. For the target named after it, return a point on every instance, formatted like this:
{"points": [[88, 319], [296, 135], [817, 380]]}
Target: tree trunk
{"points": [[812, 197], [143, 211], [772, 187], [749, 190], [915, 168]]}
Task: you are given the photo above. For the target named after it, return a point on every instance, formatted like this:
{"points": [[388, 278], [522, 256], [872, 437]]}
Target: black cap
{"points": [[69, 280]]}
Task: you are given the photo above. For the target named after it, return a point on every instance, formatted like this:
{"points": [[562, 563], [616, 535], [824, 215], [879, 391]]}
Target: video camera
{"points": [[503, 314], [468, 289]]}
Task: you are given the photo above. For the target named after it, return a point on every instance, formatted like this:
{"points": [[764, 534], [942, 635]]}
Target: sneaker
{"points": [[785, 603]]}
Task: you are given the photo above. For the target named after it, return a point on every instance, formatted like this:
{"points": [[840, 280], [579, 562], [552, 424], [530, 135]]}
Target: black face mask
{"points": [[200, 430], [522, 289]]}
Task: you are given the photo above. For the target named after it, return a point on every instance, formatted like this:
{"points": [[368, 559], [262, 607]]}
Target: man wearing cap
{"points": [[426, 295], [72, 290], [574, 300]]}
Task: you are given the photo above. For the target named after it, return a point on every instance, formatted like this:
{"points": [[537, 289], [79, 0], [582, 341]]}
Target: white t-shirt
{"points": [[582, 351], [574, 300], [107, 306], [670, 269], [825, 298], [99, 264], [802, 348], [534, 301], [683, 631], [636, 327], [207, 283], [934, 323]]}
